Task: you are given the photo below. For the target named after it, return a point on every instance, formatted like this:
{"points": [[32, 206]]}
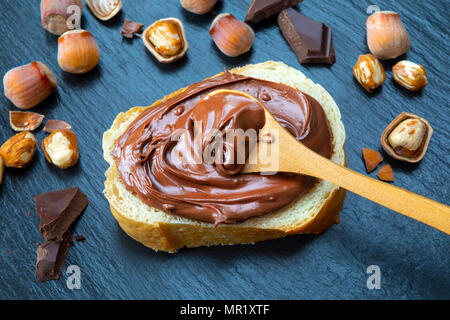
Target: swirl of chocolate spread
{"points": [[148, 157]]}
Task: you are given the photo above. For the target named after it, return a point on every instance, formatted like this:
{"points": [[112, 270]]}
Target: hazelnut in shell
{"points": [[61, 148], [26, 86], [55, 14], [232, 36], [166, 40], [78, 51], [104, 9], [387, 37], [198, 6], [407, 137], [19, 150]]}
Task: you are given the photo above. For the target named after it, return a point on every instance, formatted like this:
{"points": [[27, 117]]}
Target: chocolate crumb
{"points": [[79, 238], [130, 28]]}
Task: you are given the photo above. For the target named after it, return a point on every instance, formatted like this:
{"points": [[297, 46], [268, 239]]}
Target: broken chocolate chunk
{"points": [[58, 210], [130, 28], [263, 9], [51, 256], [311, 40]]}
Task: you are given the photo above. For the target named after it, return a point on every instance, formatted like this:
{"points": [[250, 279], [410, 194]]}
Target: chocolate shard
{"points": [[263, 9], [130, 28], [58, 210], [51, 256], [311, 40]]}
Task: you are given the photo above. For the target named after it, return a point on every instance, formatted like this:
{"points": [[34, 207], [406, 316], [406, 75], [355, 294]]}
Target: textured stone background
{"points": [[413, 257]]}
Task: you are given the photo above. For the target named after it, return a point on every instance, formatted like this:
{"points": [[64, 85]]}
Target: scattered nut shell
{"points": [[55, 14], [104, 9], [53, 125], [25, 121], [387, 37], [198, 6], [369, 72], [407, 137], [232, 36], [19, 150], [77, 51], [61, 148], [371, 158], [2, 169], [28, 85], [386, 173], [166, 40], [130, 28], [410, 75]]}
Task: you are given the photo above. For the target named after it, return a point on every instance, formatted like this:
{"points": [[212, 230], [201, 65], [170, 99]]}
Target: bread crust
{"points": [[170, 234]]}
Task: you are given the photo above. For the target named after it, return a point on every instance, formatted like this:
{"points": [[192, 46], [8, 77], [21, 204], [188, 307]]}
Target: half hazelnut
{"points": [[166, 40], [407, 137]]}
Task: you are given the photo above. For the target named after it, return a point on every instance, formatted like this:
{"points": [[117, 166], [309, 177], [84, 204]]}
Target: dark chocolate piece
{"points": [[51, 256], [58, 210], [130, 28], [263, 9], [311, 40]]}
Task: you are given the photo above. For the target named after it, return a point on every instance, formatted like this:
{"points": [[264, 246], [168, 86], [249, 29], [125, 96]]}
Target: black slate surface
{"points": [[413, 257]]}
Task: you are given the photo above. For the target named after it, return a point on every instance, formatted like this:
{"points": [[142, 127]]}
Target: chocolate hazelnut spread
{"points": [[147, 155]]}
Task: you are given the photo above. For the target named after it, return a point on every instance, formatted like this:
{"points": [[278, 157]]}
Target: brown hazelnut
{"points": [[55, 14], [198, 6], [19, 150], [28, 85], [232, 36], [387, 37], [78, 51]]}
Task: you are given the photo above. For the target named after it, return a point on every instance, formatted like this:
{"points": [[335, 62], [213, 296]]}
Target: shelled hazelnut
{"points": [[407, 137], [78, 51], [369, 72], [28, 85], [19, 150], [410, 75], [61, 148], [166, 40], [232, 36]]}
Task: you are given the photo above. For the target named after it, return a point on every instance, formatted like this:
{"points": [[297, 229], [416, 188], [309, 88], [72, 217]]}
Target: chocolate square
{"points": [[58, 210], [263, 9], [311, 40]]}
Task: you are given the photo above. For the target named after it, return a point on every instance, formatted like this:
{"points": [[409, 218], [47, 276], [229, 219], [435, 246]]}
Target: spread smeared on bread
{"points": [[145, 153]]}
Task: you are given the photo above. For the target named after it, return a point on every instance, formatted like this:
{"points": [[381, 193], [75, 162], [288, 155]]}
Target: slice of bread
{"points": [[313, 212]]}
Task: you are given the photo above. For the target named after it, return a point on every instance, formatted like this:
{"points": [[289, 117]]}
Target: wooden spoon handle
{"points": [[405, 202]]}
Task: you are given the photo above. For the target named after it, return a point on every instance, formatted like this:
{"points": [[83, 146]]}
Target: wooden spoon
{"points": [[295, 157]]}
